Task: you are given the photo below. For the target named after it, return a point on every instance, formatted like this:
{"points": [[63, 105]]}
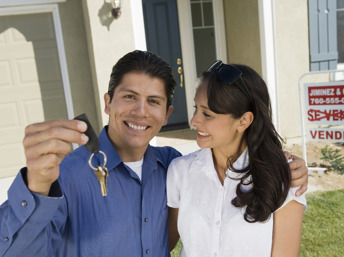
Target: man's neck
{"points": [[127, 153], [130, 155]]}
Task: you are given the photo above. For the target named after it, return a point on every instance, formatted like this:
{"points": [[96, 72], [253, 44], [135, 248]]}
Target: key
{"points": [[93, 145], [102, 174]]}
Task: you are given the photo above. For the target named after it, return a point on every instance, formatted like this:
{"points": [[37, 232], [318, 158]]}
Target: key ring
{"points": [[90, 159]]}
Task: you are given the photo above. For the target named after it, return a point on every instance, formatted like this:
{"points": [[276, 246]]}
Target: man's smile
{"points": [[137, 127]]}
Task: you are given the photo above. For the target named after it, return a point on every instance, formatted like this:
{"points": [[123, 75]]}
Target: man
{"points": [[55, 207]]}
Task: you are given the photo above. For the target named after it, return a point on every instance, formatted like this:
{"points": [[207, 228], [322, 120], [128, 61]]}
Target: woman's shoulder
{"points": [[197, 156], [181, 167], [292, 197]]}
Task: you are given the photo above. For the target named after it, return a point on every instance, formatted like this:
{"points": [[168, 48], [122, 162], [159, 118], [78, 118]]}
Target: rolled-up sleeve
{"points": [[291, 196]]}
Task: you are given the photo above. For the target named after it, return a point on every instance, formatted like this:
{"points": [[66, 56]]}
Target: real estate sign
{"points": [[324, 105]]}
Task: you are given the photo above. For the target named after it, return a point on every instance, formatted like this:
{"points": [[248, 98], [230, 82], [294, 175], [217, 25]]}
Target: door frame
{"points": [[268, 54], [187, 44], [5, 3], [54, 10]]}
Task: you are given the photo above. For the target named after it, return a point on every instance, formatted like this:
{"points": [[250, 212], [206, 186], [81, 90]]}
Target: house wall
{"points": [[242, 33], [291, 51], [77, 56], [94, 41], [292, 60], [108, 39]]}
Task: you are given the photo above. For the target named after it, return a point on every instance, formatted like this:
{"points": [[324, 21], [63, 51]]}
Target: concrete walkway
{"points": [[183, 140]]}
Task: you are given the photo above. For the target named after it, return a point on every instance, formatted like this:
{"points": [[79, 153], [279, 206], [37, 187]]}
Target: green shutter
{"points": [[323, 34]]}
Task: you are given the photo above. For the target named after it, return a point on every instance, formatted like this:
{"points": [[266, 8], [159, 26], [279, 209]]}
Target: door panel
{"points": [[31, 88], [162, 36]]}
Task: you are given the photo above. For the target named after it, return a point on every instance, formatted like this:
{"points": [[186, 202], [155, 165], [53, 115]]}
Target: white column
{"points": [[138, 25], [267, 44]]}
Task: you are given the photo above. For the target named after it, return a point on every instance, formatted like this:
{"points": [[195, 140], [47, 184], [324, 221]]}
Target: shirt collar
{"points": [[204, 160], [242, 161], [106, 146], [150, 158]]}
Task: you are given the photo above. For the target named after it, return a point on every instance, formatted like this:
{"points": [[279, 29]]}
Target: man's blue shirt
{"points": [[76, 220]]}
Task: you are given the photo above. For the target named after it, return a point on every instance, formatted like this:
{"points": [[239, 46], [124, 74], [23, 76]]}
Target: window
{"points": [[203, 33], [323, 34]]}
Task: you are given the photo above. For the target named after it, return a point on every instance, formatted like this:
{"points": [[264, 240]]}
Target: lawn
{"points": [[323, 226]]}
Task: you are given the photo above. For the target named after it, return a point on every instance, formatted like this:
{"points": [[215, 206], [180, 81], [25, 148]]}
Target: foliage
{"points": [[334, 158]]}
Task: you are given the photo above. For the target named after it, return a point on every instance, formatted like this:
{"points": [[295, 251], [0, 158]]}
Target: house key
{"points": [[92, 145], [101, 172]]}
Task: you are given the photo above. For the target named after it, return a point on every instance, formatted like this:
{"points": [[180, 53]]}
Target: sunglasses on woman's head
{"points": [[229, 74]]}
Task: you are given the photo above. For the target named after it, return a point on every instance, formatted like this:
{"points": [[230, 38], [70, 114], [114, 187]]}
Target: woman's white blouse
{"points": [[208, 224]]}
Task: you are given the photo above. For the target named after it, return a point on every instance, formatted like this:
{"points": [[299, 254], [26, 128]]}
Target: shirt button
{"points": [[6, 239], [147, 251], [24, 203], [217, 223], [215, 254], [146, 219]]}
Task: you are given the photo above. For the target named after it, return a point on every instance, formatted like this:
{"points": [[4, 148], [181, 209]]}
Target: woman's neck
{"points": [[223, 157]]}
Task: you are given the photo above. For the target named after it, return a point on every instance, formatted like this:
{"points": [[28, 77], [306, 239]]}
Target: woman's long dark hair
{"points": [[268, 171]]}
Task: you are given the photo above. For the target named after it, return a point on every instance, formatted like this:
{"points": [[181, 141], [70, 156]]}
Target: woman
{"points": [[232, 197]]}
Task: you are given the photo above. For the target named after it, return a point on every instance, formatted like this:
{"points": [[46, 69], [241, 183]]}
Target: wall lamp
{"points": [[116, 8]]}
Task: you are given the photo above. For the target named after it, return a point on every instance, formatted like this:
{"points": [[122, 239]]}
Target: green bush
{"points": [[334, 158]]}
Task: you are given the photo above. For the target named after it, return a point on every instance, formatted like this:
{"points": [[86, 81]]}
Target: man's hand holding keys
{"points": [[45, 145]]}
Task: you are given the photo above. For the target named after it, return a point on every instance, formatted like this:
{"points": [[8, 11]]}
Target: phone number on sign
{"points": [[327, 100]]}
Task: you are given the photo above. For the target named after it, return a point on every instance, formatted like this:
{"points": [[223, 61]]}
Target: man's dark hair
{"points": [[147, 63]]}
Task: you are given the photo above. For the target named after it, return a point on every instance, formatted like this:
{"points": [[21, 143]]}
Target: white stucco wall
{"points": [[292, 60], [109, 39]]}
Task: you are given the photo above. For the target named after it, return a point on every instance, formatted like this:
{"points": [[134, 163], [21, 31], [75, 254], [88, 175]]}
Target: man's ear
{"points": [[245, 121], [107, 103], [168, 113]]}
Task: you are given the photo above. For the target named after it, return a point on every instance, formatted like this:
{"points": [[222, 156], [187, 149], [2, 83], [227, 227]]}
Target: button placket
{"points": [[217, 220]]}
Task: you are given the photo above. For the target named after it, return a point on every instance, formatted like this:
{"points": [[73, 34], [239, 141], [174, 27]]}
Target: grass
{"points": [[323, 226], [176, 250]]}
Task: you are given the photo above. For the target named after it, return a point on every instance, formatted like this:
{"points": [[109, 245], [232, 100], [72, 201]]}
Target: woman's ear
{"points": [[245, 121]]}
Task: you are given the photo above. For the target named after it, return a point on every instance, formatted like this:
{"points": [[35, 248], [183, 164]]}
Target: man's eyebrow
{"points": [[157, 96], [136, 93], [129, 91]]}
